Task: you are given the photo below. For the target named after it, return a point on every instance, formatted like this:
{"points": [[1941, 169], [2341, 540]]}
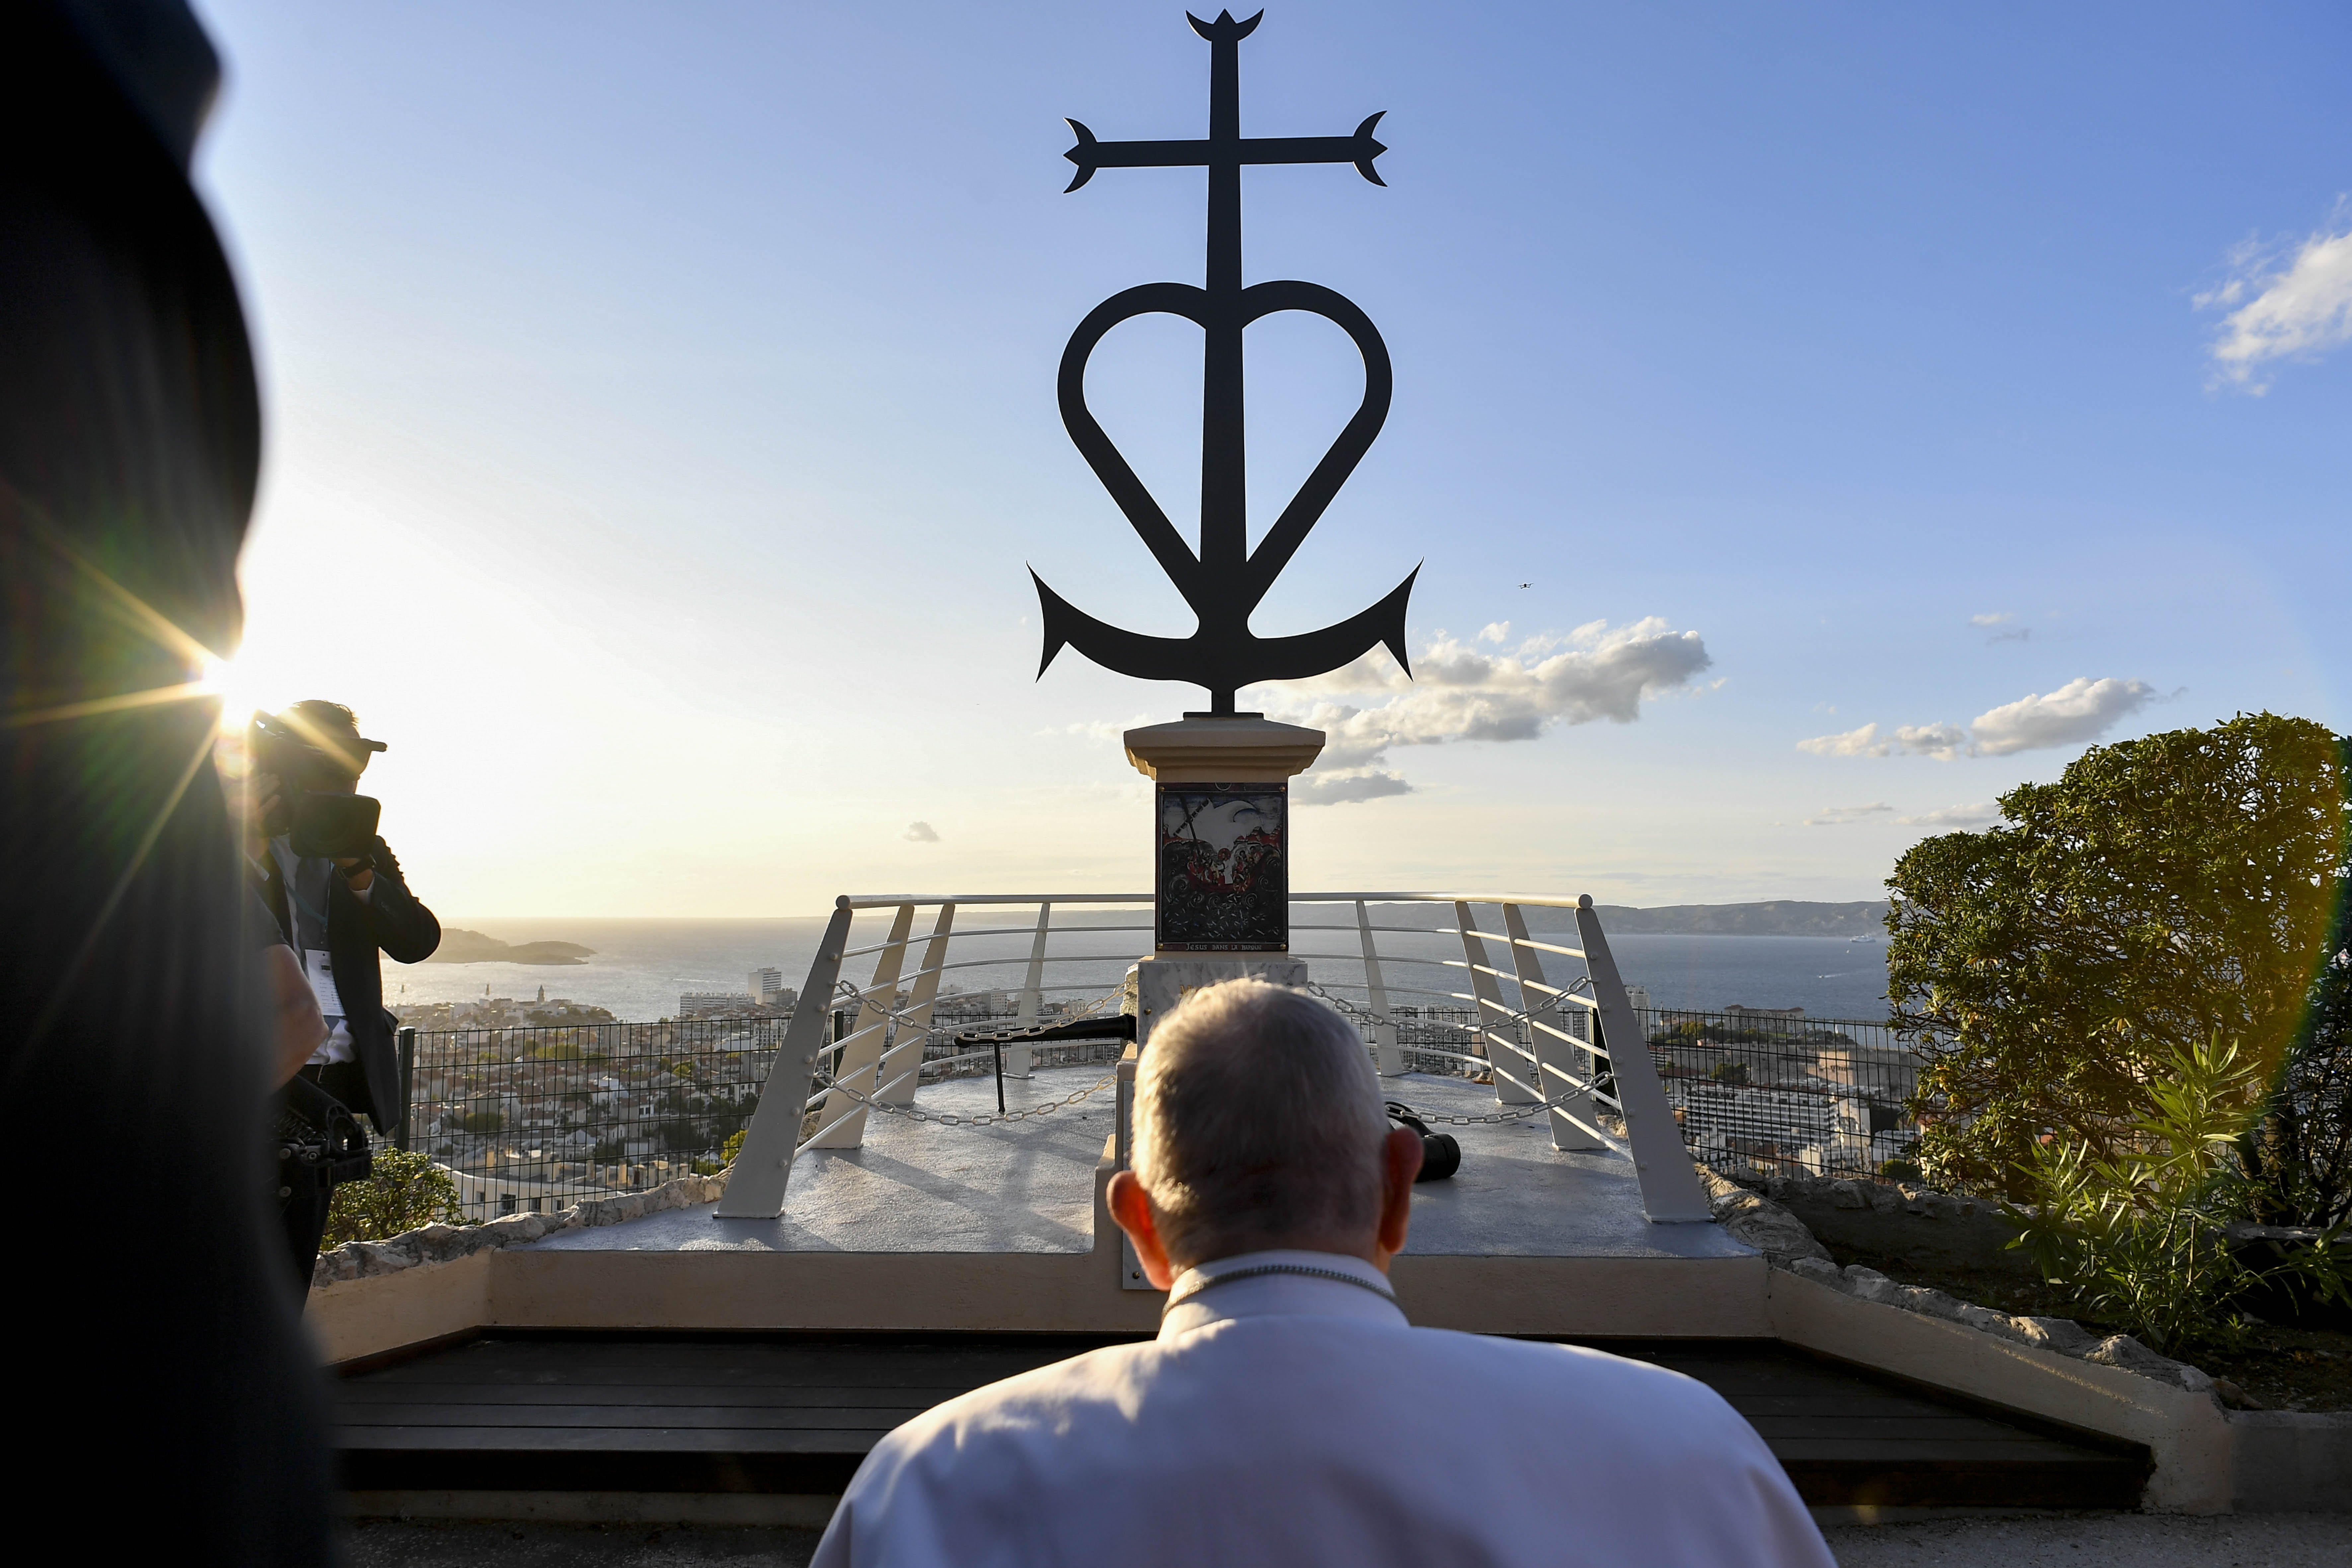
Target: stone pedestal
{"points": [[1164, 980], [1221, 831]]}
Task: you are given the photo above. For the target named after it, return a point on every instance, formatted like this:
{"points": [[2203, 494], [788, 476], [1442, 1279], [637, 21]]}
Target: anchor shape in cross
{"points": [[1225, 582]]}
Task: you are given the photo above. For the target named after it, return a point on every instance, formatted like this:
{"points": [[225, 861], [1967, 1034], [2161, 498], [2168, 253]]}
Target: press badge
{"points": [[320, 970]]}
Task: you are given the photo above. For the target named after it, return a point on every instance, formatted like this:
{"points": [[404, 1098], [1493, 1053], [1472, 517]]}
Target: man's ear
{"points": [[1400, 1159], [1131, 1208]]}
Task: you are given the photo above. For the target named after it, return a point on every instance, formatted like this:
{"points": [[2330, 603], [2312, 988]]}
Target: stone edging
{"points": [[435, 1244], [1880, 1197], [1786, 1244]]}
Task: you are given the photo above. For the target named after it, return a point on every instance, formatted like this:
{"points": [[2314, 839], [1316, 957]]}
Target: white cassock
{"points": [[1289, 1417]]}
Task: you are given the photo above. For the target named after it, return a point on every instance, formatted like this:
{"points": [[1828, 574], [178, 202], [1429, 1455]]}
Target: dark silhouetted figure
{"points": [[178, 1412]]}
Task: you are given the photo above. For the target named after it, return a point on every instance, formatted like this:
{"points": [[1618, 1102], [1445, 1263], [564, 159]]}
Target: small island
{"points": [[459, 946]]}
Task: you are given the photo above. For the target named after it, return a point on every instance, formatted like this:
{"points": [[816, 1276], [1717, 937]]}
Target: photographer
{"points": [[336, 892]]}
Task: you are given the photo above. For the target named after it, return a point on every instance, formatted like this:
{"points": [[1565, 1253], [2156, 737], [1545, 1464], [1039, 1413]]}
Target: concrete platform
{"points": [[1025, 1187], [1003, 1229], [1029, 1187]]}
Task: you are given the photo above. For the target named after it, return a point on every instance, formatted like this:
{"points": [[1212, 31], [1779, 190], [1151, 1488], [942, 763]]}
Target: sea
{"points": [[639, 968]]}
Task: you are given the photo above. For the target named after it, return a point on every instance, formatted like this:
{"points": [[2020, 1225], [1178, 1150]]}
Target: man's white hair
{"points": [[1258, 1123]]}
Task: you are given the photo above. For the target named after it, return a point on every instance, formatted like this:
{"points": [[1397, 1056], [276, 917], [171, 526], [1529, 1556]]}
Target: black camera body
{"points": [[1441, 1155], [339, 827]]}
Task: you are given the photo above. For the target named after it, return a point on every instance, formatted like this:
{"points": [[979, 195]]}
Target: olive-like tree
{"points": [[2163, 892]]}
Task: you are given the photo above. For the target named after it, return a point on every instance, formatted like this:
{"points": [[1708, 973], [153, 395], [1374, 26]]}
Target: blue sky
{"points": [[1945, 388]]}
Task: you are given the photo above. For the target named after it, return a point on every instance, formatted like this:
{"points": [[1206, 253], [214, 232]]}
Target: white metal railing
{"points": [[1543, 1043]]}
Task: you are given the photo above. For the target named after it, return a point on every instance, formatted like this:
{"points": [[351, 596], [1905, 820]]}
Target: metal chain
{"points": [[1473, 1030], [982, 1119], [848, 991], [1518, 1114]]}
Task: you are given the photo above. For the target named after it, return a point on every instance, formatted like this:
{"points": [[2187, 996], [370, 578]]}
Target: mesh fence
{"points": [[1762, 1092], [1753, 1091], [534, 1119]]}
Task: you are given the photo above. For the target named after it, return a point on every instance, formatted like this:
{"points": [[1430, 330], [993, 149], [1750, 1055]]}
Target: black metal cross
{"points": [[1225, 581]]}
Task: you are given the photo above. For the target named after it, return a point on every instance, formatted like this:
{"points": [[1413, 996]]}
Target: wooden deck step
{"points": [[795, 1412]]}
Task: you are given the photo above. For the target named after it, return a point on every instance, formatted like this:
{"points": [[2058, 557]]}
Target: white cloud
{"points": [[1861, 742], [2083, 710], [1460, 692], [920, 832], [1955, 817], [1942, 741], [1993, 618], [2295, 307], [1839, 815], [1318, 788], [1495, 632]]}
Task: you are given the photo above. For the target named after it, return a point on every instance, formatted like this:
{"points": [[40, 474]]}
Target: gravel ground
{"points": [[2096, 1541], [2124, 1540]]}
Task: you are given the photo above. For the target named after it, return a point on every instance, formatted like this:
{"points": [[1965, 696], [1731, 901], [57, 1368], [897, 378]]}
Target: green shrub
{"points": [[2137, 1234], [2163, 889], [403, 1192], [483, 1120], [729, 1150]]}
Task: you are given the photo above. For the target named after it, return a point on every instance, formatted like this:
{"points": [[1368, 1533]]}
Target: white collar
{"points": [[1280, 1283]]}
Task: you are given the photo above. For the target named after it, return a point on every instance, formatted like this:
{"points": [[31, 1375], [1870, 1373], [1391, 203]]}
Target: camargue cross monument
{"points": [[1221, 818]]}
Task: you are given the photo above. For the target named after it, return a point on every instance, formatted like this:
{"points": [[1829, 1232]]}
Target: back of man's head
{"points": [[1258, 1124]]}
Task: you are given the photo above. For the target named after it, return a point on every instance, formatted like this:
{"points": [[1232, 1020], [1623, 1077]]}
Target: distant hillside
{"points": [[459, 946], [1780, 917]]}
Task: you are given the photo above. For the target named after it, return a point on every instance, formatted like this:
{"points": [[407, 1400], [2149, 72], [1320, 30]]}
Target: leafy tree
{"points": [[403, 1192], [2163, 892]]}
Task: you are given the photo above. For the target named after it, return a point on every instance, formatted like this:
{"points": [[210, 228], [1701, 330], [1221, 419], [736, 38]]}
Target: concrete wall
{"points": [[2291, 1461], [2207, 1460], [366, 1317], [2189, 1435], [528, 1287]]}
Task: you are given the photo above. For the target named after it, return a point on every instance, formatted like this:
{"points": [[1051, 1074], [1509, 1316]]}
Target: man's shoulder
{"points": [[1327, 1382], [1499, 1375], [1313, 1348], [1047, 1399], [1517, 1360], [1553, 1363]]}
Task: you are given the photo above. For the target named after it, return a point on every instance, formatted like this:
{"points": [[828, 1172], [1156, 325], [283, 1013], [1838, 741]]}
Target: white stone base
{"points": [[1164, 980]]}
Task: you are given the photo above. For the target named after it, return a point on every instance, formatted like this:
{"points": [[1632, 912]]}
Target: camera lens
{"points": [[1441, 1156]]}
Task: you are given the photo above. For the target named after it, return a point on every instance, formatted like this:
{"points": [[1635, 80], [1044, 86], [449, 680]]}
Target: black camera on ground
{"points": [[1441, 1156]]}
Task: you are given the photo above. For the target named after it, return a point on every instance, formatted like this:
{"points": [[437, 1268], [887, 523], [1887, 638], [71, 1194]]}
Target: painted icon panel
{"points": [[1225, 871]]}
